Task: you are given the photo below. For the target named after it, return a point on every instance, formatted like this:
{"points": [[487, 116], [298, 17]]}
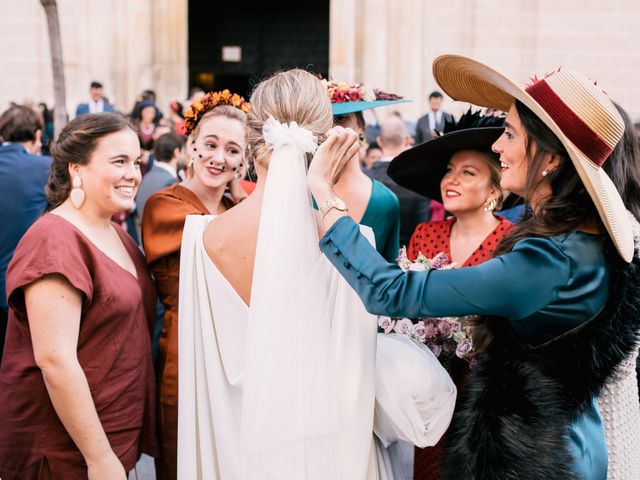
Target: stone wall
{"points": [[390, 44], [127, 45]]}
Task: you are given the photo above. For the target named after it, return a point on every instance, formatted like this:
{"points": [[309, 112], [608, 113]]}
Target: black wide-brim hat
{"points": [[422, 167]]}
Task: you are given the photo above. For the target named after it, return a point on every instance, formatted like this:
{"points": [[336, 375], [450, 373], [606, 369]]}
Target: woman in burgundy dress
{"points": [[460, 170], [76, 385]]}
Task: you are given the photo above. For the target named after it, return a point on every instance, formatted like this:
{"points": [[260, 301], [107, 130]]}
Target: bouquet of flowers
{"points": [[446, 337]]}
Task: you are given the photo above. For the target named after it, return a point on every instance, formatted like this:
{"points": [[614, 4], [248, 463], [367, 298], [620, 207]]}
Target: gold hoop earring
{"points": [[491, 205], [77, 194]]}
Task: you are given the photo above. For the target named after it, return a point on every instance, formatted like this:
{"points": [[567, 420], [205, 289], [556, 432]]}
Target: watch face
{"points": [[340, 205]]}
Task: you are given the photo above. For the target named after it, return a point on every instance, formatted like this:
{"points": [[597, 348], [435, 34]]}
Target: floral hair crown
{"points": [[356, 92], [209, 102]]}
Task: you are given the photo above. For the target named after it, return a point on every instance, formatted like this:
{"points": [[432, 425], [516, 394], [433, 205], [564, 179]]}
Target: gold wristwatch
{"points": [[333, 202]]}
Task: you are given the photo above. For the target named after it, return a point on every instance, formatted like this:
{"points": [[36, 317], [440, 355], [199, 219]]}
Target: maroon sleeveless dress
{"points": [[430, 239], [114, 351]]}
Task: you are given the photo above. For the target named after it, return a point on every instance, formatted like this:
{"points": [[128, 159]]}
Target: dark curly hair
{"points": [[76, 143]]}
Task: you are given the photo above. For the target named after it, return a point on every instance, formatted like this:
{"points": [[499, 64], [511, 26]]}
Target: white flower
{"points": [[403, 327], [368, 94], [417, 267], [459, 337], [386, 324]]}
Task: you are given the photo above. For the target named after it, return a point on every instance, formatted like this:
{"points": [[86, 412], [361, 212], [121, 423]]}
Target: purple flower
{"points": [[417, 267], [431, 328], [464, 349], [420, 331], [435, 349], [439, 261], [403, 326], [445, 328], [386, 324]]}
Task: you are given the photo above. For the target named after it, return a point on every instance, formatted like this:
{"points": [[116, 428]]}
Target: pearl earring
{"points": [[77, 194], [545, 173]]}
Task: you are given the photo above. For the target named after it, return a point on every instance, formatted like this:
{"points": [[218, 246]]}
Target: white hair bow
{"points": [[278, 134]]}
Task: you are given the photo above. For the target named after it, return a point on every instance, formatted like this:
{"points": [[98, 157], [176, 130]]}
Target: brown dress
{"points": [[162, 224], [114, 351]]}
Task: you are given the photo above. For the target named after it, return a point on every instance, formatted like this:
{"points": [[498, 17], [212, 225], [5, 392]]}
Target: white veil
{"points": [[289, 409]]}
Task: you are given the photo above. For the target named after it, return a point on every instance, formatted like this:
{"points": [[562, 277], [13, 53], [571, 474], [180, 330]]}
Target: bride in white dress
{"points": [[277, 355]]}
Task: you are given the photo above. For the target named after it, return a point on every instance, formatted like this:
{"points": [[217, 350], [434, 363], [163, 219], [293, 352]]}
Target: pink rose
{"points": [[420, 331], [403, 327], [464, 348], [386, 324]]}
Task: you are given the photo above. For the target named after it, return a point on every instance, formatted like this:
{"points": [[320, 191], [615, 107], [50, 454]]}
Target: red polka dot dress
{"points": [[430, 239]]}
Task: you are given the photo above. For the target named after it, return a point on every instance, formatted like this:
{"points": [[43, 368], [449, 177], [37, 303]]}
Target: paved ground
{"points": [[145, 470]]}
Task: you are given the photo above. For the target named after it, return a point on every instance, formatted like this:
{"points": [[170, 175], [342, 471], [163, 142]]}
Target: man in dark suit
{"points": [[23, 176], [394, 139], [97, 104], [168, 152], [433, 121]]}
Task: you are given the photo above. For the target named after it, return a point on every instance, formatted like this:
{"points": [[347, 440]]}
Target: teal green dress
{"points": [[383, 216], [544, 287]]}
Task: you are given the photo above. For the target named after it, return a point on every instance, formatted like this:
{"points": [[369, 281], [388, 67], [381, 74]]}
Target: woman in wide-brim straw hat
{"points": [[559, 302]]}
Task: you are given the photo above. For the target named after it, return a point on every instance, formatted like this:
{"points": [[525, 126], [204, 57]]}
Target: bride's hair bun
{"points": [[291, 96]]}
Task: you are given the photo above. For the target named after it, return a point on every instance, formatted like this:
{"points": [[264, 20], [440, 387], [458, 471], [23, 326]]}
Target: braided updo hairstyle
{"points": [[290, 96], [76, 143]]}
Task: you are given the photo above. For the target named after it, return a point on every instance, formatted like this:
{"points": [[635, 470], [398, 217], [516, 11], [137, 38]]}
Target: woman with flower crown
{"points": [[277, 354], [216, 128]]}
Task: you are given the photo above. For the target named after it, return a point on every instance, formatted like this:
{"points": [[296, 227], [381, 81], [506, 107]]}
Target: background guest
{"points": [[78, 391], [373, 155], [433, 121], [414, 209], [97, 104], [168, 158], [23, 176]]}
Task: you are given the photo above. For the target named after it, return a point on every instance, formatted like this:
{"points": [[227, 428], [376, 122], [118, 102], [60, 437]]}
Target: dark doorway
{"points": [[271, 35]]}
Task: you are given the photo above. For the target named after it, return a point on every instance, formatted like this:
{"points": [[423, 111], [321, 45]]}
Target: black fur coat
{"points": [[517, 408]]}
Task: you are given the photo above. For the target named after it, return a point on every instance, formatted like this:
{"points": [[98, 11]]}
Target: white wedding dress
{"points": [[286, 388]]}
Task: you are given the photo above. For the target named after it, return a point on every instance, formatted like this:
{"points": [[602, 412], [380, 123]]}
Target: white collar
{"points": [[166, 167]]}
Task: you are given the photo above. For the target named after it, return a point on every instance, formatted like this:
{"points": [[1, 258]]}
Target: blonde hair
{"points": [[220, 111], [290, 96]]}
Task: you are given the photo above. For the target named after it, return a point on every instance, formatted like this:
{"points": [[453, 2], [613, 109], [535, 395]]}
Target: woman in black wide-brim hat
{"points": [[459, 170]]}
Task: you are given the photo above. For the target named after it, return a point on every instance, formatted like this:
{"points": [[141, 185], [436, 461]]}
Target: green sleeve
{"points": [[513, 285]]}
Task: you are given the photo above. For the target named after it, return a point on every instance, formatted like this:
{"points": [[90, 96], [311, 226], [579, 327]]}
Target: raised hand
{"points": [[340, 147]]}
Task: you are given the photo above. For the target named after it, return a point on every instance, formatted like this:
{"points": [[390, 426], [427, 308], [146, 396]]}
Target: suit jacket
{"points": [[83, 108], [424, 132], [22, 200], [155, 179], [414, 209]]}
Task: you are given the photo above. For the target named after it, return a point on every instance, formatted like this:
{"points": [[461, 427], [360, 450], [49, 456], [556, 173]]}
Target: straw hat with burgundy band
{"points": [[576, 110]]}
